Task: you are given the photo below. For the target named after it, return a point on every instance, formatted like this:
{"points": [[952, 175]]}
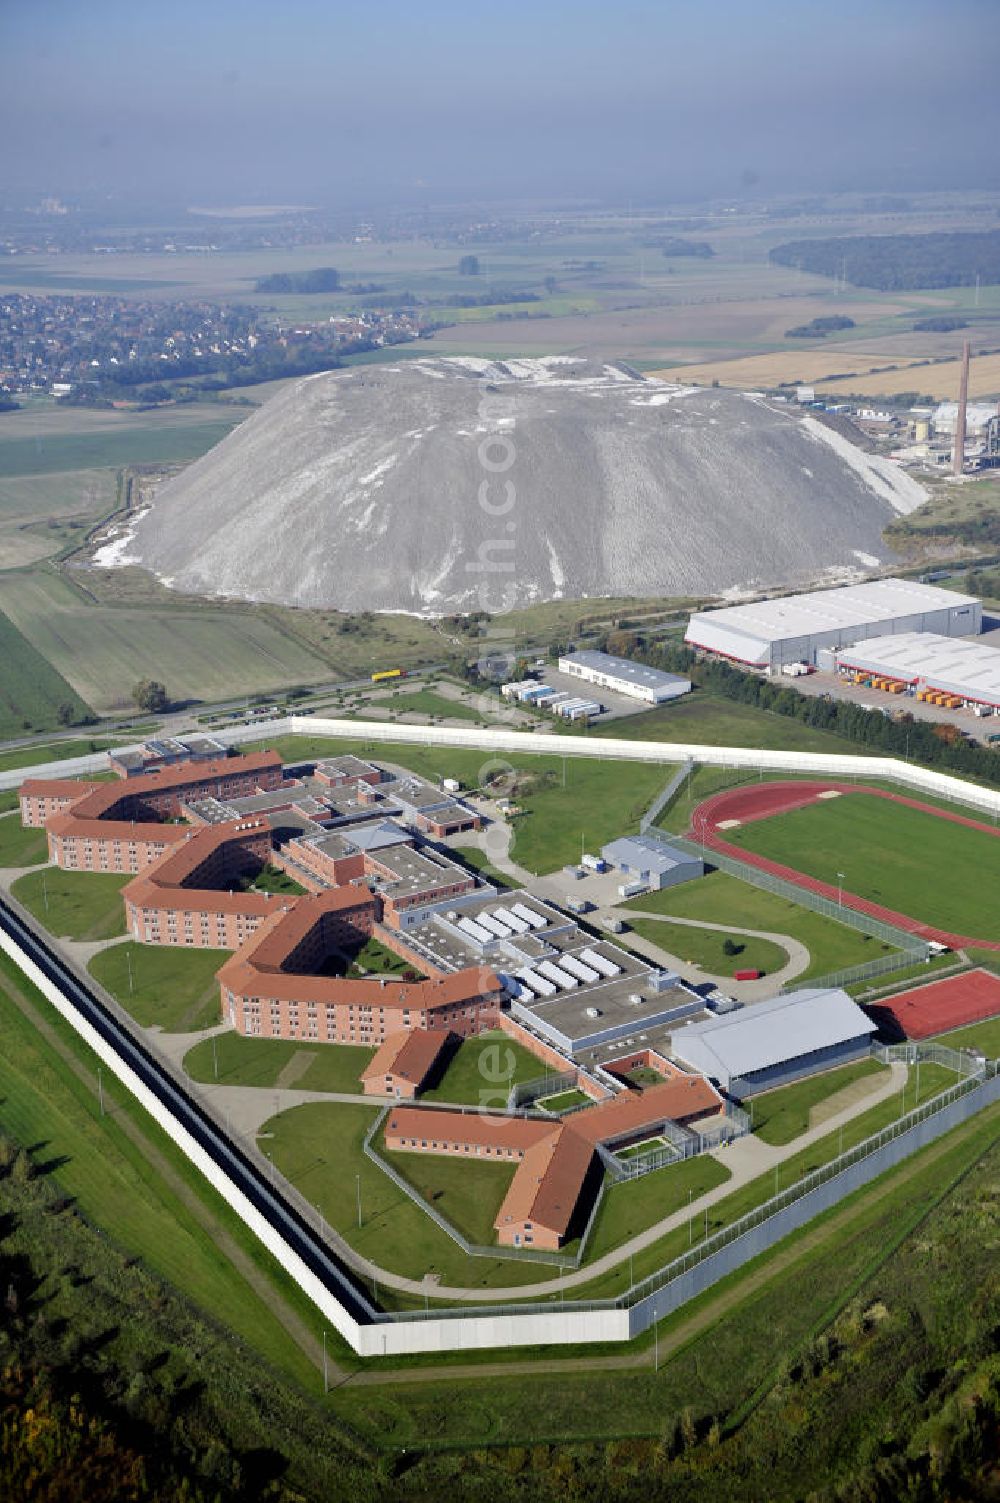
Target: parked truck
{"points": [[631, 889]]}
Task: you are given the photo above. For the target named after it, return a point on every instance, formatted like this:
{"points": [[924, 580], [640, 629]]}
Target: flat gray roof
{"points": [[647, 852], [635, 673], [769, 1033]]}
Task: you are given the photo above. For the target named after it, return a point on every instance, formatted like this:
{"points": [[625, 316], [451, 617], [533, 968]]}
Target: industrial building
{"points": [[771, 1043], [795, 628], [651, 861], [939, 669], [625, 677]]}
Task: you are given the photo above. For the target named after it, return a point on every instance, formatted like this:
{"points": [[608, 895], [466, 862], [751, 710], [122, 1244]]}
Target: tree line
{"points": [[895, 263]]}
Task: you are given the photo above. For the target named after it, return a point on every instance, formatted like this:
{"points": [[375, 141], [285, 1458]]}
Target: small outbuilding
{"points": [[652, 861]]}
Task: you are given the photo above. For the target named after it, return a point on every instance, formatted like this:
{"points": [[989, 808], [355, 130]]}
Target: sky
{"points": [[321, 101]]}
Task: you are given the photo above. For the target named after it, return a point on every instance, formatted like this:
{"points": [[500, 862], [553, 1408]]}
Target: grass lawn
{"points": [[563, 1101], [260, 1062], [644, 1075], [640, 1150], [426, 702], [318, 1146], [704, 947], [890, 854], [702, 717], [8, 800], [725, 899], [162, 985], [75, 905], [631, 1207], [641, 1201], [376, 959], [467, 1192], [478, 860], [984, 1036], [779, 1116], [273, 879], [483, 1069], [51, 751], [565, 800], [21, 845]]}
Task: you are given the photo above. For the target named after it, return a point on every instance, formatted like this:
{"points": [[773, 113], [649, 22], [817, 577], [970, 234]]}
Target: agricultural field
{"points": [[726, 900], [31, 689], [20, 845], [42, 514], [890, 854], [45, 438], [230, 1059], [704, 948], [199, 654], [859, 373], [783, 1114], [162, 986], [74, 905]]}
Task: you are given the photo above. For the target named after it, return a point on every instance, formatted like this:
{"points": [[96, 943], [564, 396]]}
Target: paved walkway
{"points": [[798, 961]]}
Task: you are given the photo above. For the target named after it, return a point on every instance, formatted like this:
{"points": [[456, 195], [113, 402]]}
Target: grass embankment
{"points": [[21, 845], [892, 854], [263, 1062], [705, 948], [483, 1069], [726, 900], [75, 905], [162, 986], [703, 718], [779, 1116]]}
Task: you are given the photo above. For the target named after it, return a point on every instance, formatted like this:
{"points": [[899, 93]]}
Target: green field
{"points": [[20, 845], [467, 1192], [483, 1069], [478, 860], [50, 751], [984, 1036], [890, 854], [162, 986], [31, 690], [706, 719], [74, 905], [779, 1116], [426, 702], [704, 947], [727, 900], [564, 799], [564, 1101], [318, 1147], [634, 1205], [42, 514], [262, 1062], [103, 650], [137, 443], [273, 879]]}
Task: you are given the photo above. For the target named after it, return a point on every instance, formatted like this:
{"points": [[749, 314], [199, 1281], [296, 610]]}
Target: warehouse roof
{"points": [[646, 853], [969, 668], [634, 673], [768, 1033], [804, 615]]}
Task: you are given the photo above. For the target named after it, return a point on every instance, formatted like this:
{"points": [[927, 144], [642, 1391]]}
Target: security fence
{"points": [[664, 797]]}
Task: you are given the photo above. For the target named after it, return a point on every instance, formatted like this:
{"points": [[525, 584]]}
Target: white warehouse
{"points": [[924, 660], [625, 677], [793, 628]]}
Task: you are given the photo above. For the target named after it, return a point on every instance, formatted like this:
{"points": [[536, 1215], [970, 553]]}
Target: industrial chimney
{"points": [[958, 453]]}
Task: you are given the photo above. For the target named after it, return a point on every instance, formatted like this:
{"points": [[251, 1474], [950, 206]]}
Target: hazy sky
{"points": [[319, 100]]}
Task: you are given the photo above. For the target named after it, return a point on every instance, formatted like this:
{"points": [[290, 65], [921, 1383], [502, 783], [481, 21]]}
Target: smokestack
{"points": [[958, 453]]}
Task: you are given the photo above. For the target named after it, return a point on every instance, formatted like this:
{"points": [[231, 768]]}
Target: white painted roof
{"points": [[968, 668]]}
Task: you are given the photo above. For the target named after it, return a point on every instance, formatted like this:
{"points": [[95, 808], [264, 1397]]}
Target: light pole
{"points": [[100, 1089], [326, 1369], [215, 1059], [357, 1178], [690, 1221], [840, 889], [128, 962]]}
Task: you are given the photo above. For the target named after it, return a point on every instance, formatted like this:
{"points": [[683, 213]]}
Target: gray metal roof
{"points": [[635, 673], [768, 1033], [647, 853]]}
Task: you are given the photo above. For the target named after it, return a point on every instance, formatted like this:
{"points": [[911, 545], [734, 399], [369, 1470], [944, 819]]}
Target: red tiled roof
{"points": [[409, 1055]]}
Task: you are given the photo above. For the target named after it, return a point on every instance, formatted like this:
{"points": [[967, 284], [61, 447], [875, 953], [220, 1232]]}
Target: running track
{"points": [[768, 799]]}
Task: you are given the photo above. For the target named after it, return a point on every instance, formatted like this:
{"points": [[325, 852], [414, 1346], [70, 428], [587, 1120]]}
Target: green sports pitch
{"points": [[915, 862]]}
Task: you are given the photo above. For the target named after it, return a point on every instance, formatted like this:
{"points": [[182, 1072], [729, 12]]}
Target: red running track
{"points": [[765, 800], [942, 1005]]}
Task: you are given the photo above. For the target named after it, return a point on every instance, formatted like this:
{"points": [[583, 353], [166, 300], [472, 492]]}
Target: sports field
{"points": [[972, 997], [911, 860]]}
